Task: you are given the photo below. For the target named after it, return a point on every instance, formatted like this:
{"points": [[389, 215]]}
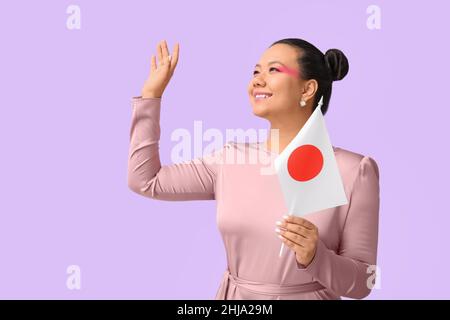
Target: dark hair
{"points": [[324, 68]]}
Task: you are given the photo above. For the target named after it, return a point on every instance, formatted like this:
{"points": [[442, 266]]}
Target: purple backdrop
{"points": [[66, 112]]}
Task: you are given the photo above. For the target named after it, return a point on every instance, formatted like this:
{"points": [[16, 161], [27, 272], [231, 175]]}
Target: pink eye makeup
{"points": [[289, 71], [284, 69]]}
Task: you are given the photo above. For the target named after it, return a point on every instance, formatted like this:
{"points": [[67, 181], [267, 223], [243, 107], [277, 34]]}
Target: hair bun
{"points": [[337, 63]]}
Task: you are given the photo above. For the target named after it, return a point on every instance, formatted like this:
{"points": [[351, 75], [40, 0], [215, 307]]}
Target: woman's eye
{"points": [[273, 68]]}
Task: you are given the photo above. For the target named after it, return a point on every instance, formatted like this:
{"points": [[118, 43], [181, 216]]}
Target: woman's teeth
{"points": [[262, 96]]}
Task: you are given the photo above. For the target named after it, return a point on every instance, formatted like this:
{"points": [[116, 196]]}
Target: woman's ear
{"points": [[309, 89]]}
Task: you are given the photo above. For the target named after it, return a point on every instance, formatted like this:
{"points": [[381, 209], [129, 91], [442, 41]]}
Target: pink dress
{"points": [[248, 205]]}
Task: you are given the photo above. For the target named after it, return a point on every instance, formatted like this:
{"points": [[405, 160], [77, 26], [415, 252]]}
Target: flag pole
{"points": [[319, 105], [289, 214]]}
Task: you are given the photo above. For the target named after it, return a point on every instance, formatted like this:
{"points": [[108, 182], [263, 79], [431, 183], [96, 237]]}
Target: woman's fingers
{"points": [[165, 51], [175, 55], [295, 238], [160, 53], [289, 243], [164, 58], [153, 64], [300, 221], [297, 228], [300, 235]]}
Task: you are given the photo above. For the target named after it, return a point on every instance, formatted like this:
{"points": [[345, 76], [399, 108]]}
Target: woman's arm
{"points": [[347, 272], [189, 180]]}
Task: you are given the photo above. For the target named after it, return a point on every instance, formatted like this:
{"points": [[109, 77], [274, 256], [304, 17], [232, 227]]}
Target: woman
{"points": [[331, 252]]}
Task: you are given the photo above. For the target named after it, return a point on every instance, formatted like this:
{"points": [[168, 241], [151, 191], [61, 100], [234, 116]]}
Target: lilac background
{"points": [[64, 133]]}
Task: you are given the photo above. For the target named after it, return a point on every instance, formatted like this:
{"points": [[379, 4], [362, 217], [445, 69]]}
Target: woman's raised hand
{"points": [[161, 71]]}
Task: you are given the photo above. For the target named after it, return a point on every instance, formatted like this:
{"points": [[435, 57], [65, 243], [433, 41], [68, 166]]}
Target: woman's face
{"points": [[279, 79]]}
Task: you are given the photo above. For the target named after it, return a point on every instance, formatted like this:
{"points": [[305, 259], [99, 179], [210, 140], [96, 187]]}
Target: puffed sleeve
{"points": [[347, 271], [189, 180]]}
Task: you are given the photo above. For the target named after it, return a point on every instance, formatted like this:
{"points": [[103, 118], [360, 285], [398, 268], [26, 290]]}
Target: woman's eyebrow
{"points": [[271, 62]]}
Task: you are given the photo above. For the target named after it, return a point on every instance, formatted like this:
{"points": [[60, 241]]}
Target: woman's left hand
{"points": [[301, 236]]}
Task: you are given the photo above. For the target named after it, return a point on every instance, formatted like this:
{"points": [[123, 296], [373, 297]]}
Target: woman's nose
{"points": [[258, 80]]}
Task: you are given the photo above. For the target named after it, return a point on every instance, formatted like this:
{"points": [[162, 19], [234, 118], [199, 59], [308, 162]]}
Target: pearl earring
{"points": [[302, 103]]}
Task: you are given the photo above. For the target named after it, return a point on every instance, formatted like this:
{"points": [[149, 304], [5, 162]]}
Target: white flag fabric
{"points": [[307, 169]]}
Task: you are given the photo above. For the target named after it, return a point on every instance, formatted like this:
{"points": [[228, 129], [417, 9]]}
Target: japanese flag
{"points": [[307, 170]]}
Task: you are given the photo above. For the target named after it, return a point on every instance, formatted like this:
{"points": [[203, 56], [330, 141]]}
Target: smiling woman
{"points": [[295, 69], [293, 72], [333, 250]]}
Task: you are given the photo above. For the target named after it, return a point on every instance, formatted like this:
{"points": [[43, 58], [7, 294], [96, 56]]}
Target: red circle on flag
{"points": [[305, 162]]}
